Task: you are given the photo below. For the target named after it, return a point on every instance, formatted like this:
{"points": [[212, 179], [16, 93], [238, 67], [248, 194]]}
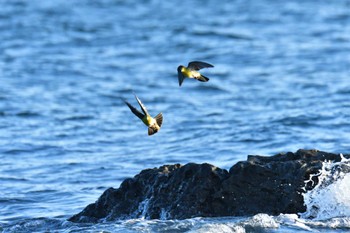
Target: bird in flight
{"points": [[191, 71], [153, 124]]}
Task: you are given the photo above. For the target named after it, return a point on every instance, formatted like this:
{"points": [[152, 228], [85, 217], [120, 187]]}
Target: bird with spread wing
{"points": [[153, 124], [191, 71]]}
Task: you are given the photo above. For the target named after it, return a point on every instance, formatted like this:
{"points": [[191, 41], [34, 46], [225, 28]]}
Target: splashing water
{"points": [[330, 197]]}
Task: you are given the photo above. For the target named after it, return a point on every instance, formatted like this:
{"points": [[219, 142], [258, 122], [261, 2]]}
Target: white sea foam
{"points": [[330, 198], [236, 225], [334, 223], [262, 221], [292, 220], [215, 228]]}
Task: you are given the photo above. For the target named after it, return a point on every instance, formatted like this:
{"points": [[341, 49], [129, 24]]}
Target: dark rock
{"points": [[271, 185]]}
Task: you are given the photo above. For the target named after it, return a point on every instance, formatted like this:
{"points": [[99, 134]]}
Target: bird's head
{"points": [[179, 68]]}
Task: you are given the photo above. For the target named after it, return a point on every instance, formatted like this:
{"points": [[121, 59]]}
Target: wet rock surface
{"points": [[262, 184]]}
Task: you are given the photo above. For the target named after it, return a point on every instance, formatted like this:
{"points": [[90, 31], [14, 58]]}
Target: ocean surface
{"points": [[281, 82]]}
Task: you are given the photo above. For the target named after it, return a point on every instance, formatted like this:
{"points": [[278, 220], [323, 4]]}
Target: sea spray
{"points": [[330, 197], [143, 208]]}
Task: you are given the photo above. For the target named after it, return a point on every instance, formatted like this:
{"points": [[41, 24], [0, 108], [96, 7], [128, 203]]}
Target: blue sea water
{"points": [[280, 83]]}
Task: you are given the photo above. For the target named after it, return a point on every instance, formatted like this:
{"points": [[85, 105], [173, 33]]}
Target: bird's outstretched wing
{"points": [[181, 77], [143, 108], [197, 65], [134, 110]]}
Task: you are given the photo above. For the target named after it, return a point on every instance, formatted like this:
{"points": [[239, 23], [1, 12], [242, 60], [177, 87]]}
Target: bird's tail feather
{"points": [[202, 78], [159, 119]]}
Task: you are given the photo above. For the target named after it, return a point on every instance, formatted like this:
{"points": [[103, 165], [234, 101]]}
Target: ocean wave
{"points": [[329, 199]]}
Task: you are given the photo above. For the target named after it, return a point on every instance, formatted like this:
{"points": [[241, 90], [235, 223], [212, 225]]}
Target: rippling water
{"points": [[280, 83]]}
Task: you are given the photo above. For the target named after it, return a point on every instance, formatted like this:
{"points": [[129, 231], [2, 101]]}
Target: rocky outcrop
{"points": [[271, 185]]}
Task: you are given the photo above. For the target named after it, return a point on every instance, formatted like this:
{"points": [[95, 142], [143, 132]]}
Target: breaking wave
{"points": [[330, 197]]}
